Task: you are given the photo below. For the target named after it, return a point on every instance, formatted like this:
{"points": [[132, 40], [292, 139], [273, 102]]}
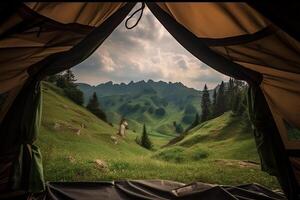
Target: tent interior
{"points": [[255, 42]]}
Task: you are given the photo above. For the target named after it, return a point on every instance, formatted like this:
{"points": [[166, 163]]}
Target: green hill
{"points": [[77, 146], [225, 137]]}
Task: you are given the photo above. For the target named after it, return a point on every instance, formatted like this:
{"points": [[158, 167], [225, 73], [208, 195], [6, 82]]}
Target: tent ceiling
{"points": [[90, 14], [216, 20]]}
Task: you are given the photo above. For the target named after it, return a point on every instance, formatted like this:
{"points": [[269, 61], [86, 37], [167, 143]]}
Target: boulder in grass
{"points": [[78, 132], [114, 139], [101, 164], [71, 159], [56, 126]]}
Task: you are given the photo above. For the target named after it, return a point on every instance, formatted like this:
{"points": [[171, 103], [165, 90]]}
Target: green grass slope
{"points": [[65, 150], [225, 137], [225, 141], [70, 154]]}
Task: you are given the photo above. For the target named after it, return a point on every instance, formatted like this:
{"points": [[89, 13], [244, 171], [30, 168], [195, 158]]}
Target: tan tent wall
{"points": [[90, 14], [9, 98], [296, 167], [216, 20]]}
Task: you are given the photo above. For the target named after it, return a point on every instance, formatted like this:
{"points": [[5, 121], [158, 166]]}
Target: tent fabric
{"points": [[286, 17], [238, 18], [154, 190], [28, 44], [89, 14], [27, 169], [264, 146], [39, 39], [269, 143], [6, 170], [7, 100], [296, 167]]}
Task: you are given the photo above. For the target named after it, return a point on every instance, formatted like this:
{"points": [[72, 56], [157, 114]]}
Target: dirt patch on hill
{"points": [[238, 163]]}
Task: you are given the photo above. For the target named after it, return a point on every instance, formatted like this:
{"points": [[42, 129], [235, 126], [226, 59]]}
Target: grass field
{"points": [[72, 139]]}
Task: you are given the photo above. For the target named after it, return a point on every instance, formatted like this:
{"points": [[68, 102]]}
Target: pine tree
{"points": [[205, 105], [145, 141], [236, 102], [93, 106], [66, 82], [214, 97], [61, 82], [221, 104], [214, 104], [230, 94]]}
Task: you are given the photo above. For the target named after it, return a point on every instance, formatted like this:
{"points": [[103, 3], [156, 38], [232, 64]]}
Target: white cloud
{"points": [[145, 52]]}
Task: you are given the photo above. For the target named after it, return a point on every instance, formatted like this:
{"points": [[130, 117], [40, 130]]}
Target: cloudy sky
{"points": [[145, 52]]}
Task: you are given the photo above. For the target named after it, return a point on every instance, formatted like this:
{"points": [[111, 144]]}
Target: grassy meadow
{"points": [[73, 142]]}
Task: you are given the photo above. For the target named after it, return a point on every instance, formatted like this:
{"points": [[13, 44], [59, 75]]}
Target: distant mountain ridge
{"points": [[158, 104], [110, 88]]}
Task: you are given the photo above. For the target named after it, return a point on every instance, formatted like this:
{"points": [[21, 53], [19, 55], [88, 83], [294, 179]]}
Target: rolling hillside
{"points": [[224, 137], [208, 153]]}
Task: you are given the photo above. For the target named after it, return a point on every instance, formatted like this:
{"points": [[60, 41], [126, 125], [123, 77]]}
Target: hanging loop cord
{"points": [[141, 14]]}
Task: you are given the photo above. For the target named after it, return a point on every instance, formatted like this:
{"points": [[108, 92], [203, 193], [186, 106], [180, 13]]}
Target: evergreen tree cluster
{"points": [[94, 107], [224, 98], [231, 96], [205, 105], [65, 80]]}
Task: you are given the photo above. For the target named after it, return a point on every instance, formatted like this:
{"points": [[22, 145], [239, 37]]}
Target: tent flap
{"points": [[28, 170], [261, 132]]}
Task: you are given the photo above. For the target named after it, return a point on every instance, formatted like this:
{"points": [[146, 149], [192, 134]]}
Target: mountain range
{"points": [[160, 105]]}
